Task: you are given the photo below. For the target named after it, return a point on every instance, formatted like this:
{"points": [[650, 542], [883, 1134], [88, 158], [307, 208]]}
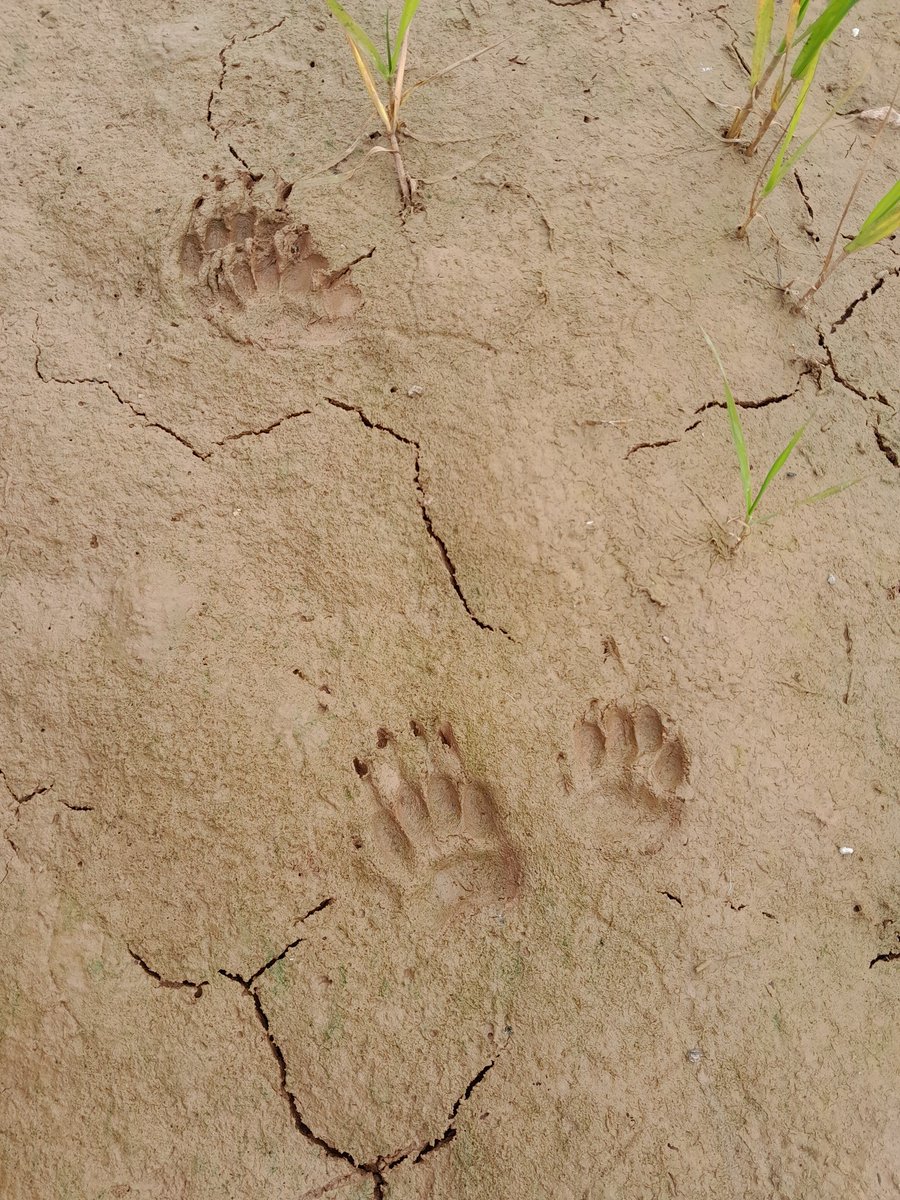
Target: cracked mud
{"points": [[399, 799]]}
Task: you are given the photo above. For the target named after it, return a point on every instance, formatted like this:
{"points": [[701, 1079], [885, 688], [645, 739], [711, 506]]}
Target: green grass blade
{"points": [[765, 17], [775, 468], [737, 432], [882, 221], [819, 33], [406, 18], [782, 166], [359, 36]]}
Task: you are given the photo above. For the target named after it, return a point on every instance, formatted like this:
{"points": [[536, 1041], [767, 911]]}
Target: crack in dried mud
{"points": [[220, 85], [42, 790], [832, 367], [867, 295], [813, 369], [810, 229], [450, 1132], [249, 979], [717, 13], [233, 437], [190, 984], [204, 456], [376, 1168], [652, 445], [449, 565], [848, 646], [888, 956], [149, 423], [885, 447], [98, 382], [881, 441]]}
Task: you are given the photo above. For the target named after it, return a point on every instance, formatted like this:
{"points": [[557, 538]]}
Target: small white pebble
{"points": [[832, 579], [589, 524], [706, 68], [855, 31], [666, 640], [414, 391], [235, 512], [694, 1055], [846, 850]]}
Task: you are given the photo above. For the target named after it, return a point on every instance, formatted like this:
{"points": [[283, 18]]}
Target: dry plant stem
{"points": [[736, 127], [397, 96], [741, 231], [403, 178], [766, 122]]}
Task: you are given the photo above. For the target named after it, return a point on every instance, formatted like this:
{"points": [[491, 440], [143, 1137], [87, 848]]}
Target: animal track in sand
{"points": [[256, 272], [437, 837], [635, 769]]}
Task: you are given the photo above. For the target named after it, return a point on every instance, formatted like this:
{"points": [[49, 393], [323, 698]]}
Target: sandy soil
{"points": [[401, 795]]}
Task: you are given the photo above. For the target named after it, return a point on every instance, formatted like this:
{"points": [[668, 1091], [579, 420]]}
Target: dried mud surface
{"points": [[400, 795]]}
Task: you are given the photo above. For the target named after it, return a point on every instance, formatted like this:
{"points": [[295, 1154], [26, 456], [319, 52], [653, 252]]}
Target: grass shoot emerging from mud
{"points": [[751, 501], [750, 516], [809, 43], [390, 69]]}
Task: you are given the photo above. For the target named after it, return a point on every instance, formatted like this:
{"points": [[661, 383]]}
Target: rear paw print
{"points": [[636, 769], [437, 835]]}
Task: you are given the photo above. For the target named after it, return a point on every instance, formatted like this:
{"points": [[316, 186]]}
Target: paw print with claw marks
{"points": [[436, 833]]}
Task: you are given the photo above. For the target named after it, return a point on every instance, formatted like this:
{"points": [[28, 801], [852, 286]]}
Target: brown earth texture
{"points": [[409, 790]]}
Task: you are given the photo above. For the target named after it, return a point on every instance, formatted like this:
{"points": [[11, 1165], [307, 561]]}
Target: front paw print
{"points": [[436, 835], [634, 770]]}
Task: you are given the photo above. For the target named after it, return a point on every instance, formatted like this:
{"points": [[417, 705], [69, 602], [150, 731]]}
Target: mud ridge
{"points": [[449, 565]]}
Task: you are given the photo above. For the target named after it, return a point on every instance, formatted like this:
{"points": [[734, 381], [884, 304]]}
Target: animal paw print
{"points": [[637, 769], [256, 271], [436, 835]]}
